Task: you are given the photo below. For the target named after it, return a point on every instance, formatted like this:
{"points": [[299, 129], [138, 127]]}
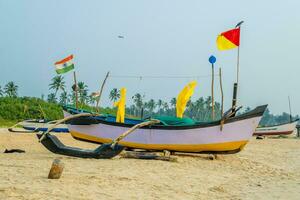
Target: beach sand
{"points": [[265, 169]]}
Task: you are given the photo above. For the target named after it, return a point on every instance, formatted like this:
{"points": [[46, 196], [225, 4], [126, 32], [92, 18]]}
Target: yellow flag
{"points": [[184, 97], [121, 106]]}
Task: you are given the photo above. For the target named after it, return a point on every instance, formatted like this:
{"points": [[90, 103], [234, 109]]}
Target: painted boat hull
{"points": [[283, 129], [208, 137]]}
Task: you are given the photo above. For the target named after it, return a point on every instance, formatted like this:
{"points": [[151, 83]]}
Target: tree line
{"points": [[199, 109]]}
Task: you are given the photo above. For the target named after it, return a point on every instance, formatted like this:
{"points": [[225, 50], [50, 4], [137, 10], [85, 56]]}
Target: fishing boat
{"points": [[42, 125], [281, 129], [172, 134]]}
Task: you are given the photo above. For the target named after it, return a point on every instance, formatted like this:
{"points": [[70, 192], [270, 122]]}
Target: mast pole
{"points": [[290, 109], [101, 89], [76, 90]]}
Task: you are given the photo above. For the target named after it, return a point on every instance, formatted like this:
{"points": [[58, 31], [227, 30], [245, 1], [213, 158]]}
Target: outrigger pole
{"points": [[100, 93], [235, 86]]}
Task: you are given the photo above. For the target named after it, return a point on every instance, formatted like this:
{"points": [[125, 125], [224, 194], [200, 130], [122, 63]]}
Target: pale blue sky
{"points": [[162, 37]]}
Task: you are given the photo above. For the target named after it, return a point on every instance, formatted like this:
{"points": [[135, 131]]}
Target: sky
{"points": [[161, 38]]}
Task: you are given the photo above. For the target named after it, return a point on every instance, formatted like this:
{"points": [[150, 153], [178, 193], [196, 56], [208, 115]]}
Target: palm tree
{"points": [[114, 95], [166, 107], [51, 98], [151, 105], [83, 91], [138, 101], [173, 102], [11, 89], [1, 92], [63, 99], [58, 83], [159, 104], [92, 99]]}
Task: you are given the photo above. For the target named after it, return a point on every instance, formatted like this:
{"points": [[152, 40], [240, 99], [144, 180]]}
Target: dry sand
{"points": [[265, 169]]}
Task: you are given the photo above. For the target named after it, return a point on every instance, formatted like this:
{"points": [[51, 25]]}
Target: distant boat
{"points": [[42, 125], [179, 135], [281, 129]]}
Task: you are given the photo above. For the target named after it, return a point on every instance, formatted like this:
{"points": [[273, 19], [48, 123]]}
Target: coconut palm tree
{"points": [[63, 99], [114, 94], [151, 105], [11, 89], [159, 104], [173, 102], [166, 107], [92, 99], [138, 101], [57, 84], [51, 98], [83, 92]]}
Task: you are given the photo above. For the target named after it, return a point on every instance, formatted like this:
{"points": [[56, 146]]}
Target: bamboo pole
{"points": [[290, 109], [76, 92], [101, 89], [212, 93], [222, 95]]}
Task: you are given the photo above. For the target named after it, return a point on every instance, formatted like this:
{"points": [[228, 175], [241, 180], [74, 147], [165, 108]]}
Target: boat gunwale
{"points": [[257, 112]]}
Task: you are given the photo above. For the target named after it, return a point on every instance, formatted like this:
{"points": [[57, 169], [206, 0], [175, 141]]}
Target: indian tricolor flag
{"points": [[64, 65], [229, 39]]}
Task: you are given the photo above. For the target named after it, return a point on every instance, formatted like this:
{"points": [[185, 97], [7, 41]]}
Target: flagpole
{"points": [[212, 60], [235, 86], [76, 94], [102, 86], [212, 93]]}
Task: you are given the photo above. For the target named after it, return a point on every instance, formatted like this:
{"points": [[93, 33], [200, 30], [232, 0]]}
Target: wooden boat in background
{"points": [[281, 129], [42, 125], [197, 137]]}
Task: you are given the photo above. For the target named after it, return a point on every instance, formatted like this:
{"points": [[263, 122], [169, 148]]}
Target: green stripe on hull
{"points": [[65, 69]]}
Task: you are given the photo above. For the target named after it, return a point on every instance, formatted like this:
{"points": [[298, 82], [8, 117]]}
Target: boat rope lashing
{"points": [[228, 114], [64, 120]]}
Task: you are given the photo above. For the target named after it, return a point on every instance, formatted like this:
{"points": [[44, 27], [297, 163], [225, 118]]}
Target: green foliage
{"points": [[11, 89], [21, 108]]}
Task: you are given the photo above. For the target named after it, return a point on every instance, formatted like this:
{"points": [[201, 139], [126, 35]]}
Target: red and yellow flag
{"points": [[229, 39]]}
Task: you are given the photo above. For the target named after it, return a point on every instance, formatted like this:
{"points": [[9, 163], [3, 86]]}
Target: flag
{"points": [[184, 97], [95, 94], [229, 39], [64, 65], [121, 106]]}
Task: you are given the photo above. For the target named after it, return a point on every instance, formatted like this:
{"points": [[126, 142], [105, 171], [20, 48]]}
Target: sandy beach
{"points": [[266, 169]]}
